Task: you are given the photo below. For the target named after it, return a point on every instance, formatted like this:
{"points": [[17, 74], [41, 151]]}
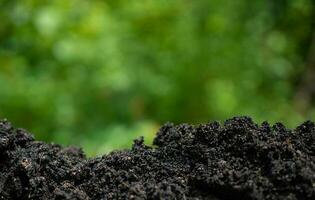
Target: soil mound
{"points": [[236, 160]]}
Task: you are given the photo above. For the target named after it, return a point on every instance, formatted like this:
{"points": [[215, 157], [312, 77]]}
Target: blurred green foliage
{"points": [[100, 73]]}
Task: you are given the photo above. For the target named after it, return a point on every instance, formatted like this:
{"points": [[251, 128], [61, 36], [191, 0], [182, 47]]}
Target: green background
{"points": [[100, 73]]}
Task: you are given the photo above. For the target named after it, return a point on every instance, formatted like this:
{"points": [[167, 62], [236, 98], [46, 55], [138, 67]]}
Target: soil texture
{"points": [[238, 159]]}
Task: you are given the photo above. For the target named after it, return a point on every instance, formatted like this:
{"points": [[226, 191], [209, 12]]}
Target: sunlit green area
{"points": [[100, 73]]}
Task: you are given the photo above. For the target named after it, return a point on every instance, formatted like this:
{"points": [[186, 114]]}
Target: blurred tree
{"points": [[99, 73]]}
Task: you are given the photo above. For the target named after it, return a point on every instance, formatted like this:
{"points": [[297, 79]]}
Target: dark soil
{"points": [[237, 160]]}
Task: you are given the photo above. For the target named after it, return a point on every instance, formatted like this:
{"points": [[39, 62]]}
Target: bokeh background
{"points": [[101, 73]]}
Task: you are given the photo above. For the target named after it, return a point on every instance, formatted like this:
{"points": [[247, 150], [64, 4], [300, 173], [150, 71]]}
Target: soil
{"points": [[236, 160]]}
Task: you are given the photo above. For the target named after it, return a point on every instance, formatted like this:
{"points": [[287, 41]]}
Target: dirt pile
{"points": [[236, 160]]}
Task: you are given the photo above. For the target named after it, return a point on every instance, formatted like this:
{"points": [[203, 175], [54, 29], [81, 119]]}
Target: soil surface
{"points": [[236, 160]]}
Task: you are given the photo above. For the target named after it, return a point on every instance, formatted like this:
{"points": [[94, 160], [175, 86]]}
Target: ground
{"points": [[238, 159]]}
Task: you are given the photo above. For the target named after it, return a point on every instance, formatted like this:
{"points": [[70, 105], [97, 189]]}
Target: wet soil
{"points": [[238, 159]]}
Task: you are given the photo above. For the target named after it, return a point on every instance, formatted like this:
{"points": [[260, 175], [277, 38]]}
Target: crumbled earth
{"points": [[236, 160]]}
